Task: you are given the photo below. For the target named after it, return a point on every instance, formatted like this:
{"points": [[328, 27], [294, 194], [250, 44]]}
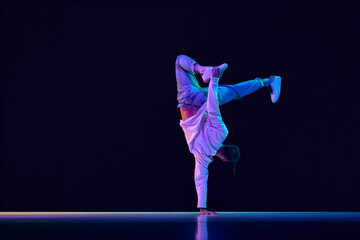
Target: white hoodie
{"points": [[205, 132]]}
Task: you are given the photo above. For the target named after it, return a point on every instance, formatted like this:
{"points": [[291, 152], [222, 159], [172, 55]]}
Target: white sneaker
{"points": [[275, 88], [207, 73]]}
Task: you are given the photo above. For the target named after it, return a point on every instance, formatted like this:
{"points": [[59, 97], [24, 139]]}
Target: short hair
{"points": [[230, 152]]}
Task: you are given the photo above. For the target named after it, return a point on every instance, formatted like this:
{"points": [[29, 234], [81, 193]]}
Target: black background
{"points": [[89, 117]]}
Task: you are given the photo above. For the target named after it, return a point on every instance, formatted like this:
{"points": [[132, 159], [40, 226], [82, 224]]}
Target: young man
{"points": [[201, 118]]}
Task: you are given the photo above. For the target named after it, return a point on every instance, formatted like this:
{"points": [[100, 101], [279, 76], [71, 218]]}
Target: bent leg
{"points": [[190, 94]]}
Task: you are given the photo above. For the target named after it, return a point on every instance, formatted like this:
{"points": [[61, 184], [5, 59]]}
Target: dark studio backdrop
{"points": [[89, 117]]}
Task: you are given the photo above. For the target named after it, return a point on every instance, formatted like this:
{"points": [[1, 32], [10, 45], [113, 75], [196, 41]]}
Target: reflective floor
{"points": [[179, 225]]}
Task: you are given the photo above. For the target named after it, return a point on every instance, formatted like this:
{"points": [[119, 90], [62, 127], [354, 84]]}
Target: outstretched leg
{"points": [[228, 93]]}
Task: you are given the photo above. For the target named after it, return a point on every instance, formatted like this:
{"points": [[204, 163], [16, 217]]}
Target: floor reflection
{"points": [[180, 226], [202, 232]]}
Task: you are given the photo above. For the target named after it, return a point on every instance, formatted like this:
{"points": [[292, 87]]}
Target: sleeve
{"points": [[213, 102], [201, 177], [213, 109]]}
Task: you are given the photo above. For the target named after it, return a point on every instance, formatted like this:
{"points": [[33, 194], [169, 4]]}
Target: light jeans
{"points": [[191, 95]]}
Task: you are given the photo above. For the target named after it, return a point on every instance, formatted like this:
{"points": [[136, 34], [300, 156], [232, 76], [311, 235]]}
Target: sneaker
{"points": [[207, 73], [275, 87]]}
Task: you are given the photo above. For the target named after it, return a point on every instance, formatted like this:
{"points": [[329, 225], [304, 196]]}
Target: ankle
{"points": [[267, 81]]}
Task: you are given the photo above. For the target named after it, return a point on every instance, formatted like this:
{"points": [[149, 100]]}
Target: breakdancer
{"points": [[201, 121]]}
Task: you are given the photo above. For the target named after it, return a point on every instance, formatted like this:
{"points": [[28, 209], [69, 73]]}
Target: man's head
{"points": [[229, 153]]}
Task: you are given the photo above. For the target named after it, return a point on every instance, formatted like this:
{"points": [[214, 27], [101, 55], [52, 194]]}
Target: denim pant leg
{"points": [[226, 93], [190, 94]]}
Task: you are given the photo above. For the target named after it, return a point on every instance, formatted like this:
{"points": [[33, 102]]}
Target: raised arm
{"points": [[213, 102], [213, 109]]}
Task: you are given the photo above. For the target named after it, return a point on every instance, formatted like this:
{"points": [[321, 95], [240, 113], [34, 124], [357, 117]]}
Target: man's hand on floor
{"points": [[206, 212]]}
